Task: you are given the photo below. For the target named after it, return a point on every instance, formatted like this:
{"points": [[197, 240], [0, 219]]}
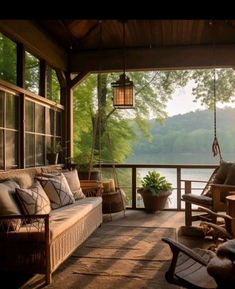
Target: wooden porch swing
{"points": [[112, 195]]}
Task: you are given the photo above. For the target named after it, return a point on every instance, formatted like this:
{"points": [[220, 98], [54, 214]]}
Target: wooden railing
{"points": [[178, 185]]}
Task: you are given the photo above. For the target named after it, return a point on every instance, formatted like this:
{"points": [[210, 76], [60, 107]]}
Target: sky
{"points": [[182, 102]]}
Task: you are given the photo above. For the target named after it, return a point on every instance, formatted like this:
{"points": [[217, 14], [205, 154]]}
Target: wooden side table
{"points": [[231, 205], [112, 202]]}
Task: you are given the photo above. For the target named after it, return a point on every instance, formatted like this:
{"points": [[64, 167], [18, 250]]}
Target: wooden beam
{"points": [[78, 79], [20, 65], [67, 119], [178, 57], [43, 78], [35, 41]]}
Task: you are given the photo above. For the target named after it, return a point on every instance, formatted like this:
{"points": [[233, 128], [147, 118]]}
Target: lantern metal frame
{"points": [[123, 88]]}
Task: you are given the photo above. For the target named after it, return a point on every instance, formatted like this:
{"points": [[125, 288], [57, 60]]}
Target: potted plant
{"points": [[86, 172], [53, 151], [155, 190]]}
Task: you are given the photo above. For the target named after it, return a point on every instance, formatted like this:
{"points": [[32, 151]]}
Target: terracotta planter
{"points": [[83, 175], [154, 203]]}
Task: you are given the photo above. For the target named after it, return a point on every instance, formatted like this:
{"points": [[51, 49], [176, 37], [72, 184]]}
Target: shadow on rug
{"points": [[118, 257]]}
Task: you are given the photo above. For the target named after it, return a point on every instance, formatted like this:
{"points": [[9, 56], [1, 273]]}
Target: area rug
{"points": [[118, 257]]}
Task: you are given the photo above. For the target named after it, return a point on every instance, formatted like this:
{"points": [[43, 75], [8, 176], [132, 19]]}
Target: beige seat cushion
{"points": [[64, 218], [34, 200], [58, 191], [74, 184]]}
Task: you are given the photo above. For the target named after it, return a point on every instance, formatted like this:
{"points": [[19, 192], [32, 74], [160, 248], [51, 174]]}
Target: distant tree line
{"points": [[192, 132]]}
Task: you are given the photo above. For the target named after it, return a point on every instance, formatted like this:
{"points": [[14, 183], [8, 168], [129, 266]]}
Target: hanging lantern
{"points": [[123, 88], [123, 92]]}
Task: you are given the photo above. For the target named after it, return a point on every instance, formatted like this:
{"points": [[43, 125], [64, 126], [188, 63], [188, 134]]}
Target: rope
{"points": [[115, 175], [215, 145]]}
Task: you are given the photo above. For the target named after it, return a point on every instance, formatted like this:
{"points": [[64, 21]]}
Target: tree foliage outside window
{"points": [[53, 86], [31, 73], [7, 59]]}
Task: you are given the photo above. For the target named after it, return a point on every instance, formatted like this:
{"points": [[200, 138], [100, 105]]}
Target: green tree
{"points": [[223, 86], [153, 89], [7, 59]]}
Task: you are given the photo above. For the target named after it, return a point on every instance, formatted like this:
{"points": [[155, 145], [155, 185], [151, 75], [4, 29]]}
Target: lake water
{"points": [[170, 174]]}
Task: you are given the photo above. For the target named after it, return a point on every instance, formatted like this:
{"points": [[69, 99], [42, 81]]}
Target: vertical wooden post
{"points": [[43, 79], [188, 206], [133, 188], [20, 69], [67, 115], [178, 188]]}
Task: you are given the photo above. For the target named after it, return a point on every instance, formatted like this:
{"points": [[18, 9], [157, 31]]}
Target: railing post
{"points": [[178, 188], [133, 188]]}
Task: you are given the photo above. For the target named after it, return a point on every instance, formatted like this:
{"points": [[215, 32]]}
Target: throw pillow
{"points": [[109, 186], [230, 179], [25, 180], [222, 172], [34, 200], [74, 184], [57, 190], [8, 204]]}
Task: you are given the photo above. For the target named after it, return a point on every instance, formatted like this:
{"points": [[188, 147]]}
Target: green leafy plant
{"points": [[156, 184], [54, 148]]}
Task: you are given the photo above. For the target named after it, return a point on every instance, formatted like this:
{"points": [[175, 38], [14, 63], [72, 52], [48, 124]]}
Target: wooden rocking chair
{"points": [[220, 184], [202, 269]]}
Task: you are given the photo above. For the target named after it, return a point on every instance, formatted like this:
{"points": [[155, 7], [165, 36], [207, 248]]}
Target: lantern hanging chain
{"points": [[124, 48], [215, 144], [97, 120], [99, 104]]}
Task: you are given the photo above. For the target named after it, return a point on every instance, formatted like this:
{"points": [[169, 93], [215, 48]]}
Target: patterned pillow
{"points": [[74, 184], [57, 190], [34, 200], [8, 204]]}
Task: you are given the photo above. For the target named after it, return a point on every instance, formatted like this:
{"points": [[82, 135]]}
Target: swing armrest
{"points": [[188, 185]]}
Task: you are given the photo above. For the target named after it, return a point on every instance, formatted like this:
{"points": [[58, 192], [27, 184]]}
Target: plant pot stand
{"points": [[112, 203]]}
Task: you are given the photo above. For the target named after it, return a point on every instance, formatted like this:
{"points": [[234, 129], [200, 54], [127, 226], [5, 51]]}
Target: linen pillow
{"points": [[34, 200], [8, 203], [57, 190], [109, 186], [74, 184], [25, 180]]}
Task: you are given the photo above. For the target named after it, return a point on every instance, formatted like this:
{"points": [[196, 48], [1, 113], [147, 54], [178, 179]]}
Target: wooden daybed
{"points": [[40, 243]]}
